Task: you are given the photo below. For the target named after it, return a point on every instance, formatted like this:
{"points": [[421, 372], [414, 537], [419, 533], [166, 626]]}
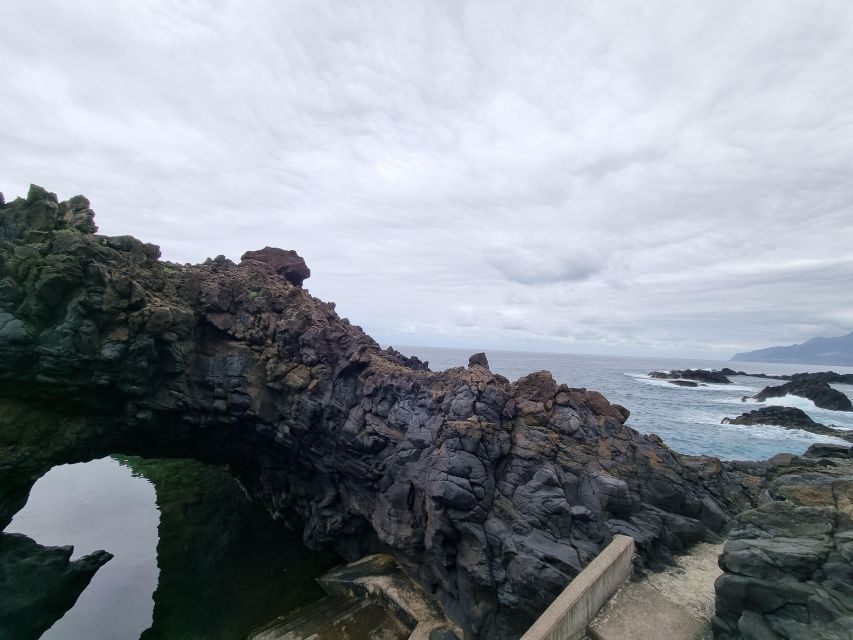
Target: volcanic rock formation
{"points": [[817, 391], [789, 418], [789, 563], [701, 375], [493, 494], [39, 584]]}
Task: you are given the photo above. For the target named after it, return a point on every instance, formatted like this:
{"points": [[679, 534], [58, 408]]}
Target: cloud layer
{"points": [[641, 177]]}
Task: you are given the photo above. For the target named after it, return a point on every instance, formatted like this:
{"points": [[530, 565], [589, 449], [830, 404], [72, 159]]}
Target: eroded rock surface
{"points": [[789, 563], [493, 494]]}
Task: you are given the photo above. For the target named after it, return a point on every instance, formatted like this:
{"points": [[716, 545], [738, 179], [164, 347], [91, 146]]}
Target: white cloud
{"points": [[653, 176]]}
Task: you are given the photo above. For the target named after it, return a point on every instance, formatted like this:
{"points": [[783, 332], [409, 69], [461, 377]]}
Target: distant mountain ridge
{"points": [[832, 351]]}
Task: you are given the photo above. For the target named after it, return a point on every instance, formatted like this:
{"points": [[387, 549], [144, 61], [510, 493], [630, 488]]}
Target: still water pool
{"points": [[194, 558]]}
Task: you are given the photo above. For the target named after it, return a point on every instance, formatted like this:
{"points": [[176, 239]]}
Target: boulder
{"points": [[286, 263], [478, 360]]}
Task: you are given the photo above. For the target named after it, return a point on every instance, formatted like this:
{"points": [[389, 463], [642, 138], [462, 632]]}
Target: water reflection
{"points": [[99, 505], [194, 557]]}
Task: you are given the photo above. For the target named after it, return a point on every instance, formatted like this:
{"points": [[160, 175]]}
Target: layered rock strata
{"points": [[789, 563], [493, 494]]}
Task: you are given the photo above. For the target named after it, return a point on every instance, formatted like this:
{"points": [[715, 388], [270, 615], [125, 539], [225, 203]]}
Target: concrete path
{"points": [[676, 604]]}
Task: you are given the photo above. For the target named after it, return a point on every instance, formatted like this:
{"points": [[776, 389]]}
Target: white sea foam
{"points": [[774, 432], [703, 386], [843, 419]]}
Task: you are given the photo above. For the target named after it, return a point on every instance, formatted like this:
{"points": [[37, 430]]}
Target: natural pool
{"points": [[194, 557]]}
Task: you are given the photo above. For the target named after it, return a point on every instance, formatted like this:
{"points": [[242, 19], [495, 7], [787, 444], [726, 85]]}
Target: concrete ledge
{"points": [[570, 613], [380, 579]]}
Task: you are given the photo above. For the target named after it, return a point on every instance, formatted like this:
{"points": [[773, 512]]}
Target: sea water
{"points": [[687, 418]]}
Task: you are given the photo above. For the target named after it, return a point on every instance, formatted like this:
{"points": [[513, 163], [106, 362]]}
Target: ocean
{"points": [[687, 418]]}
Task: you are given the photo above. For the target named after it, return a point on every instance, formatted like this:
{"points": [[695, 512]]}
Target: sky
{"points": [[639, 178]]}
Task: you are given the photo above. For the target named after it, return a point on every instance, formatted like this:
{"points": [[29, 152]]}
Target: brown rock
{"points": [[284, 262]]}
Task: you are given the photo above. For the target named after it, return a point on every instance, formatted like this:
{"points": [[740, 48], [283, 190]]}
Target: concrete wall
{"points": [[571, 612]]}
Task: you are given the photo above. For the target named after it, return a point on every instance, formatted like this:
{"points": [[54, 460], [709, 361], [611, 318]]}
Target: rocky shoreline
{"points": [[491, 494]]}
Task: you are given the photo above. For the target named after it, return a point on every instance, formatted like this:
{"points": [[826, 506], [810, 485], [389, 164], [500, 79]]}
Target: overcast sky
{"points": [[661, 178]]}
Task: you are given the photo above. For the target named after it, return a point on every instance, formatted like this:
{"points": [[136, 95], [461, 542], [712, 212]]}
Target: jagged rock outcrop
{"points": [[38, 584], [492, 493], [701, 375], [816, 390], [283, 262], [817, 376], [789, 418], [789, 563]]}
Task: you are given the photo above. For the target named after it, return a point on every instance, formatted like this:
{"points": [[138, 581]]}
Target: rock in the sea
{"points": [[788, 564], [683, 383], [789, 418], [284, 262], [702, 375], [492, 494], [818, 391]]}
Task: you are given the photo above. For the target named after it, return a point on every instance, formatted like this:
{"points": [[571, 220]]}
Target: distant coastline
{"points": [[821, 351]]}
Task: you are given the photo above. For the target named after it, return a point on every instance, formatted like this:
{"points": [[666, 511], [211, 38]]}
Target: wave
{"points": [[774, 432], [704, 386], [843, 419]]}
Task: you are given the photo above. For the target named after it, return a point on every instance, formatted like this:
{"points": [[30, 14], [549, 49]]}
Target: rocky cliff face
{"points": [[492, 493], [789, 563]]}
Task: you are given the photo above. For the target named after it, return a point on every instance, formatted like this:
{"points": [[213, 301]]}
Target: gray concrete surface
{"points": [[677, 603], [570, 613]]}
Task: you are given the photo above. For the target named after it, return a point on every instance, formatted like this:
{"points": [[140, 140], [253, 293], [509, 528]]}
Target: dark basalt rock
{"points": [[492, 494], [788, 564], [683, 383], [284, 262], [478, 360], [817, 391], [822, 376], [702, 375], [38, 584], [410, 362], [790, 418]]}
